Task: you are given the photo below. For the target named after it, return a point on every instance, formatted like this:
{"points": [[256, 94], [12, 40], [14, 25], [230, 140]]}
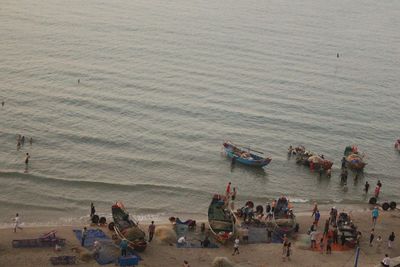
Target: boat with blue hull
{"points": [[245, 155]]}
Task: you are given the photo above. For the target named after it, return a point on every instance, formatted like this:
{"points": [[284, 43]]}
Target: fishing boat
{"points": [[354, 159], [283, 217], [245, 155], [221, 219], [347, 228], [126, 228]]}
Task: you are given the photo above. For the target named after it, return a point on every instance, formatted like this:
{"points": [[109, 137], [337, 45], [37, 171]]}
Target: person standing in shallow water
{"points": [[152, 229], [366, 187], [27, 159], [92, 210]]}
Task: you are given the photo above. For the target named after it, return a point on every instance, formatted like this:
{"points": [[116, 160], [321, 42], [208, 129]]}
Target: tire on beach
{"points": [[385, 206], [372, 200], [392, 205], [95, 219], [111, 226], [102, 220]]}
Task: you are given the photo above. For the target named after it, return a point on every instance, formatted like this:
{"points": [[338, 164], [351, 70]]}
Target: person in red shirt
{"points": [[228, 189]]}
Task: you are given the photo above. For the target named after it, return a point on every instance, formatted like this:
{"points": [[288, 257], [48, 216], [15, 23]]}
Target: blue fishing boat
{"points": [[244, 155]]}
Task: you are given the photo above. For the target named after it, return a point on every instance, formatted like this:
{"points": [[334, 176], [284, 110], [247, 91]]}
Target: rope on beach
{"points": [[347, 261]]}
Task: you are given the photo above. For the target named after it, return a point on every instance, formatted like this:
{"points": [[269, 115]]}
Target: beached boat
{"points": [[126, 227], [244, 155], [283, 217], [221, 219], [347, 228], [354, 159]]}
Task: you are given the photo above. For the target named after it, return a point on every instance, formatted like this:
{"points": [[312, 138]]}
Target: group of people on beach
{"points": [[330, 234]]}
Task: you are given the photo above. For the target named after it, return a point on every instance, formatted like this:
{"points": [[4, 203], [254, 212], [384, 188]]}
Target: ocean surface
{"points": [[163, 83]]}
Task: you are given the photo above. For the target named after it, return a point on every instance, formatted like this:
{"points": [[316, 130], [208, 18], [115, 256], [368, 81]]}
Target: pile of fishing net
{"points": [[134, 233], [165, 234], [222, 262], [85, 256]]}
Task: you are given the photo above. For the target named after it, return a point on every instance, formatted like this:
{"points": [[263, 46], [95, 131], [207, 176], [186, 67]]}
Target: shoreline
{"points": [[299, 208]]}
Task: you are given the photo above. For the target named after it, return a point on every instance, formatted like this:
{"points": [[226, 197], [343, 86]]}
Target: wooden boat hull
{"points": [[253, 161], [123, 224], [285, 223], [221, 219]]}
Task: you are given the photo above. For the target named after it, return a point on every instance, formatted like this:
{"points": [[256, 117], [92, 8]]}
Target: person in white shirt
{"points": [[236, 247], [182, 240], [17, 223], [386, 261]]}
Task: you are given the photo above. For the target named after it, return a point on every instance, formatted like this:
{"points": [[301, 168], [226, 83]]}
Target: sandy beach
{"points": [[261, 255]]}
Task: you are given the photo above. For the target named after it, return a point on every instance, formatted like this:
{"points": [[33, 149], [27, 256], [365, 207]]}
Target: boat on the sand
{"points": [[220, 219], [346, 227], [126, 228], [245, 155], [283, 217]]}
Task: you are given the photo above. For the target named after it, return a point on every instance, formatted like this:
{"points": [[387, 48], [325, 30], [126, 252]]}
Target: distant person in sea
{"points": [[377, 191], [379, 184], [92, 210], [79, 81], [337, 55], [321, 171], [2, 103], [152, 229], [84, 235], [23, 140], [371, 237], [31, 141], [366, 187], [17, 223], [375, 215], [343, 163], [236, 247], [391, 240], [27, 157]]}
